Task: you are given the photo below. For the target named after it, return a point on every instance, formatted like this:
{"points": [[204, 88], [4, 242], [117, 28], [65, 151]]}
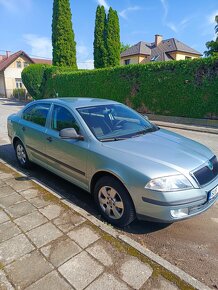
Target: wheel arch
{"points": [[103, 173]]}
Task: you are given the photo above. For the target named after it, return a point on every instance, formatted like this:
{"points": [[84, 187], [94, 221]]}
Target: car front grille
{"points": [[204, 175]]}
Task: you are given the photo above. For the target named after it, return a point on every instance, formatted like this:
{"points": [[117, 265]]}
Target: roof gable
{"points": [[9, 60]]}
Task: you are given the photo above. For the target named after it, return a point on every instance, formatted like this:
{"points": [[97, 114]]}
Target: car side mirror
{"points": [[70, 133]]}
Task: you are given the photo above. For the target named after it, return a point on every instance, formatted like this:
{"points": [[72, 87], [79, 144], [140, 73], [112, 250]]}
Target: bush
{"points": [[32, 77], [176, 88], [19, 93]]}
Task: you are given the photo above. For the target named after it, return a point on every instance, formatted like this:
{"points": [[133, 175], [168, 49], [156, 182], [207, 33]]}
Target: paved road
{"points": [[192, 245]]}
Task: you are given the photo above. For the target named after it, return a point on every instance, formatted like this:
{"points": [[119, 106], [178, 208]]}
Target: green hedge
{"points": [[178, 88]]}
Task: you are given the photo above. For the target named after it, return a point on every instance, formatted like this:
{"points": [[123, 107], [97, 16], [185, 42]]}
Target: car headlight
{"points": [[169, 183]]}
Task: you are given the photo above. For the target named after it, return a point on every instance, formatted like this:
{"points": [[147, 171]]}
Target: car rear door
{"points": [[33, 131], [67, 156]]}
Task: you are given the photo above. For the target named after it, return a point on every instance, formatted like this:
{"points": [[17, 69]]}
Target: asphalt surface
{"points": [[192, 245]]}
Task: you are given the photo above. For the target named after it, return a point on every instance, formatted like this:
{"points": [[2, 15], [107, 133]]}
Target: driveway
{"points": [[191, 245]]}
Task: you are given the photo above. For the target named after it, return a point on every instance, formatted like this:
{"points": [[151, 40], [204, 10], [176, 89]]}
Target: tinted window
{"points": [[62, 118], [37, 114]]}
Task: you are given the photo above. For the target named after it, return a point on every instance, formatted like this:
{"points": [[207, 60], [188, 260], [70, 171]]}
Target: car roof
{"points": [[79, 102]]}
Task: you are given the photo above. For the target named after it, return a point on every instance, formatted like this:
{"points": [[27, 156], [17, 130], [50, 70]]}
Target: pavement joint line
{"points": [[121, 237]]}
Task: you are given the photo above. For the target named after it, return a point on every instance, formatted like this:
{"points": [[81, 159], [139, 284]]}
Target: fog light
{"points": [[179, 213]]}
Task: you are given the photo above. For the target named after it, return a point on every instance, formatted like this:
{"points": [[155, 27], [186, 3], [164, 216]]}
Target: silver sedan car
{"points": [[130, 166]]}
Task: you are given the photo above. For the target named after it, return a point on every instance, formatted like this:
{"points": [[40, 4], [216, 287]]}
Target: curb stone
{"points": [[121, 237]]}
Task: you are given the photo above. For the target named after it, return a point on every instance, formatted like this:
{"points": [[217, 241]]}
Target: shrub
{"points": [[178, 88], [19, 93], [32, 77]]}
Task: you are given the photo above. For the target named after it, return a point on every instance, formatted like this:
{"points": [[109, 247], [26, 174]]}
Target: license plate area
{"points": [[213, 193]]}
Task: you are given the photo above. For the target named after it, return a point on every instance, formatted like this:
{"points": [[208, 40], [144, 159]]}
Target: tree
{"points": [[124, 47], [212, 46], [113, 38], [64, 45], [100, 52]]}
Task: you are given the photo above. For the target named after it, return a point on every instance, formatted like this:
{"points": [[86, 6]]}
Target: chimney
{"points": [[8, 53], [158, 39]]}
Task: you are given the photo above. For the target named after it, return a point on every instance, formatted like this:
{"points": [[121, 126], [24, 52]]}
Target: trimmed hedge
{"points": [[32, 77], [178, 88]]}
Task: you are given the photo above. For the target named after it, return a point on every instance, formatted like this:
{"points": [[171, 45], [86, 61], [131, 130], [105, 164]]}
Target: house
{"points": [[11, 66], [159, 50]]}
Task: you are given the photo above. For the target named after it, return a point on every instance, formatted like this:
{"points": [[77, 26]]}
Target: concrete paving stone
{"points": [[51, 281], [109, 282], [20, 209], [29, 193], [28, 269], [20, 183], [39, 202], [8, 230], [68, 220], [4, 283], [81, 270], [160, 283], [51, 211], [135, 273], [100, 253], [60, 251], [2, 183], [44, 234], [14, 248], [84, 236], [11, 199], [30, 221], [4, 176], [6, 190], [3, 217]]}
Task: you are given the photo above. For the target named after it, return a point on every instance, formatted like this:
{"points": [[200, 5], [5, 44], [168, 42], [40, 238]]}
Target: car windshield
{"points": [[115, 122]]}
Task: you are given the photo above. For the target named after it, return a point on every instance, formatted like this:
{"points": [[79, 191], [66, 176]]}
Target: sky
{"points": [[26, 24]]}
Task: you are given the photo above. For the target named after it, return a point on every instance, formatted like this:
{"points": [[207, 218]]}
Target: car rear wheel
{"points": [[114, 202], [21, 155]]}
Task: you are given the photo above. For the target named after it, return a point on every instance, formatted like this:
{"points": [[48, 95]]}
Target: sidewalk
{"points": [[45, 244]]}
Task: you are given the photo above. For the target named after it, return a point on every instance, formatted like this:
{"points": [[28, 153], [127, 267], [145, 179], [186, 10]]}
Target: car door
{"points": [[67, 156], [32, 130]]}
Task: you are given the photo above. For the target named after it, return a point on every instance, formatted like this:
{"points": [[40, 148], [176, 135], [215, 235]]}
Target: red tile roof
{"points": [[6, 61]]}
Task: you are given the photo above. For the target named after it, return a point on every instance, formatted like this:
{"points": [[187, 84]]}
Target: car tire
{"points": [[114, 202], [21, 155]]}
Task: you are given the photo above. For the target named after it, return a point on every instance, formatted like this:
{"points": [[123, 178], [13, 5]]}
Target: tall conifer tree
{"points": [[64, 45], [100, 53], [113, 38]]}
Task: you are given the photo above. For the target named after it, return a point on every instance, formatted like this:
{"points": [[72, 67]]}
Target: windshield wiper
{"points": [[145, 131], [112, 139]]}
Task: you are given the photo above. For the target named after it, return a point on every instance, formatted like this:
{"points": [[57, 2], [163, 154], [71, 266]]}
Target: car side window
{"points": [[37, 114], [62, 118]]}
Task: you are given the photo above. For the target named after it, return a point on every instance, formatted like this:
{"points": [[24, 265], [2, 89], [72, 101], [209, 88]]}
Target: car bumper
{"points": [[166, 209]]}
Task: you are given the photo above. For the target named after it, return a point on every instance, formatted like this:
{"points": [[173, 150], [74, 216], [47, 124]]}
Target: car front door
{"points": [[67, 156], [32, 131]]}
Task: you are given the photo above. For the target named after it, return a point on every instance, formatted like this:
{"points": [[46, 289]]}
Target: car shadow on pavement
{"points": [[71, 192]]}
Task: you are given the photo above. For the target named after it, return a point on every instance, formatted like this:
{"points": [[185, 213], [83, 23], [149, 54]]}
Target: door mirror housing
{"points": [[70, 133]]}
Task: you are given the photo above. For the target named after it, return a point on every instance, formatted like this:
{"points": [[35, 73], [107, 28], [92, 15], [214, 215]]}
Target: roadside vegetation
{"points": [[187, 88]]}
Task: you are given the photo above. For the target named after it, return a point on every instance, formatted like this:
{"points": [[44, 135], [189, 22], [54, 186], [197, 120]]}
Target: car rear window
{"points": [[37, 114]]}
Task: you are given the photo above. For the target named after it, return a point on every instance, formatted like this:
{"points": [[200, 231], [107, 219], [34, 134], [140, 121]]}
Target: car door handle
{"points": [[49, 139], [23, 128]]}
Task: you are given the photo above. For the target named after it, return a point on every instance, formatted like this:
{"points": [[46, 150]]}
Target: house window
{"points": [[19, 84], [127, 61], [18, 64], [188, 57], [26, 64], [154, 58]]}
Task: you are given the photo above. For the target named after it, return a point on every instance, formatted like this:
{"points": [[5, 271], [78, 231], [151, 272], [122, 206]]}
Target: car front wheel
{"points": [[114, 202], [21, 155]]}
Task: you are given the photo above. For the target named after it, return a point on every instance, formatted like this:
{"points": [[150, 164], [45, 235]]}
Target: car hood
{"points": [[163, 148]]}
